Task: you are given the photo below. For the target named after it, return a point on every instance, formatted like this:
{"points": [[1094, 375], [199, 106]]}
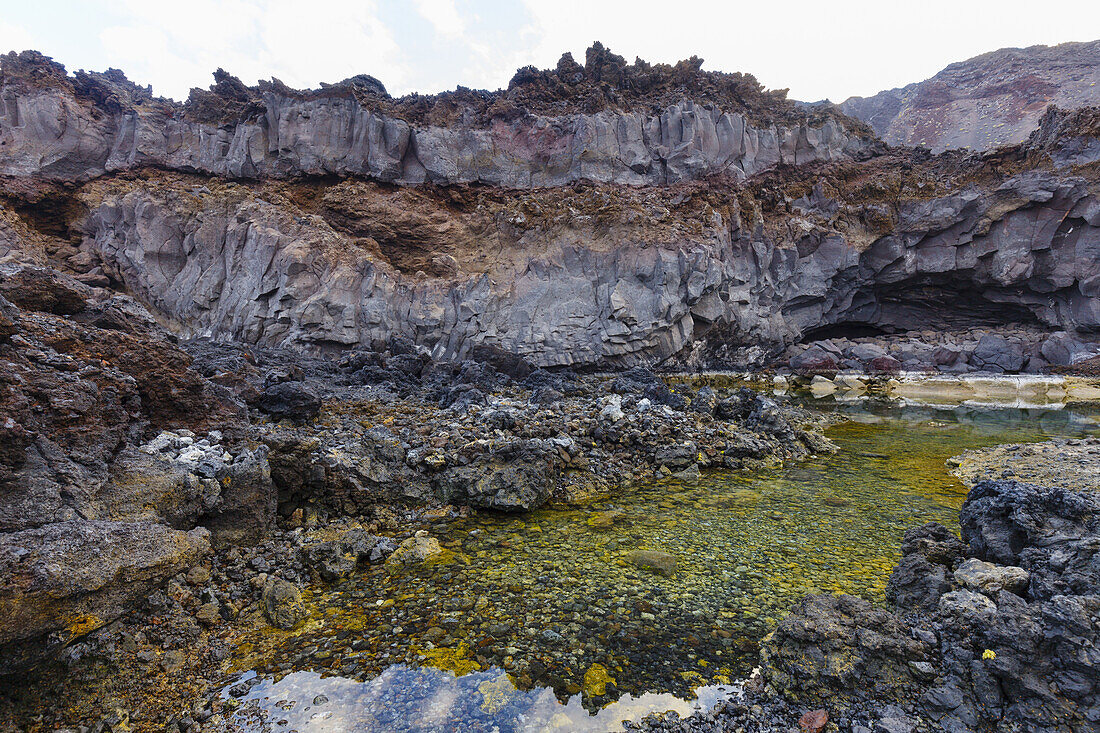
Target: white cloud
{"points": [[443, 15], [177, 46], [14, 38], [816, 50]]}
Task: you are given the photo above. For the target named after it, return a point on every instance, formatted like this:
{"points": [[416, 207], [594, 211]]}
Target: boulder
{"points": [[336, 559], [291, 401], [884, 365], [966, 605], [814, 360], [832, 648], [676, 457], [1048, 532], [245, 513], [944, 357], [655, 561], [985, 577], [866, 352], [496, 483], [1059, 349], [612, 410], [283, 605], [415, 550], [934, 542], [917, 583], [704, 401], [63, 580], [996, 353]]}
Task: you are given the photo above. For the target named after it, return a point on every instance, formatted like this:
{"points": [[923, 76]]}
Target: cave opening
{"points": [[52, 214], [845, 330], [950, 304]]}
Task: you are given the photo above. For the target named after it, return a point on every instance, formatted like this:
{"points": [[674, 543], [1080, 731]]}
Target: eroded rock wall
{"points": [[563, 286], [55, 133], [599, 225]]}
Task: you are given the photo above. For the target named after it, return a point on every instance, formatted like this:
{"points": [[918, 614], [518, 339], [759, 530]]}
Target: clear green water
{"points": [[551, 597]]}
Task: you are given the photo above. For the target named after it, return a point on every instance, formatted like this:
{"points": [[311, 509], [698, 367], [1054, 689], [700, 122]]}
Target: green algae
{"points": [[548, 605]]}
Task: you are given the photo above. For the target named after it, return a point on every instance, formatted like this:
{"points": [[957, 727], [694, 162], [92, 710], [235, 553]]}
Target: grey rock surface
{"points": [[256, 273], [993, 99], [65, 579], [55, 133], [283, 605]]}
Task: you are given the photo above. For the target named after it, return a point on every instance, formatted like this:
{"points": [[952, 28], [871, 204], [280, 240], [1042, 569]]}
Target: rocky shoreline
{"points": [[333, 448], [304, 446], [315, 457], [996, 631], [251, 345]]}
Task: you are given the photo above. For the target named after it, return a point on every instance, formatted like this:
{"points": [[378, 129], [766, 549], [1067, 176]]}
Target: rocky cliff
{"points": [[987, 101], [65, 128], [270, 216]]}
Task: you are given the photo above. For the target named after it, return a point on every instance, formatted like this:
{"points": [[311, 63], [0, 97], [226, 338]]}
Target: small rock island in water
{"points": [[633, 396]]}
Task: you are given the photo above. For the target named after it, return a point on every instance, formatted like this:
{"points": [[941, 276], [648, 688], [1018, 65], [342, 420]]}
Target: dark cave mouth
{"points": [[945, 307], [845, 330]]}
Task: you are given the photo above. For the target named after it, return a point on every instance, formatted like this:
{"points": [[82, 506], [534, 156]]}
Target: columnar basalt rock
{"points": [[566, 232], [61, 130], [248, 264]]}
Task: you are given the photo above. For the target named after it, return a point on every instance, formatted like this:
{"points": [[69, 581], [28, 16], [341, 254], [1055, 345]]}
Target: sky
{"points": [[826, 49]]}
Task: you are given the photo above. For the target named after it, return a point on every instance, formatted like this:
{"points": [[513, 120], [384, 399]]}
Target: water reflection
{"points": [[430, 700]]}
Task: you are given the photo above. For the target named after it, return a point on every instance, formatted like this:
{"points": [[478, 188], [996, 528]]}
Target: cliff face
{"points": [[987, 101], [802, 222], [603, 276], [57, 129]]}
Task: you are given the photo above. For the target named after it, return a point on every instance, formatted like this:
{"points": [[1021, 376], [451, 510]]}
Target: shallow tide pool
{"points": [[546, 622]]}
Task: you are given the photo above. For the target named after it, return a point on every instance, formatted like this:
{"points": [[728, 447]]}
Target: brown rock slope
{"points": [[990, 100]]}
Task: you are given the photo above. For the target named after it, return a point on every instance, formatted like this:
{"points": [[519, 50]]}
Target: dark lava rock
{"points": [[996, 353], [337, 559], [885, 365], [929, 554], [935, 542], [64, 580], [814, 360], [518, 485], [831, 648], [738, 406], [246, 512], [283, 604], [290, 400], [704, 401], [676, 457], [505, 362], [767, 417], [76, 394], [1053, 533], [644, 383]]}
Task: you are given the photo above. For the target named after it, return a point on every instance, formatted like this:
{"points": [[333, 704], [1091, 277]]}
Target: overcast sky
{"points": [[822, 49]]}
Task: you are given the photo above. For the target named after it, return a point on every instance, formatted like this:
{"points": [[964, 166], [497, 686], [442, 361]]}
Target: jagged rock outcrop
{"points": [[1003, 639], [83, 374], [993, 99], [89, 522], [588, 271], [75, 129], [604, 276], [69, 578], [1069, 137]]}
